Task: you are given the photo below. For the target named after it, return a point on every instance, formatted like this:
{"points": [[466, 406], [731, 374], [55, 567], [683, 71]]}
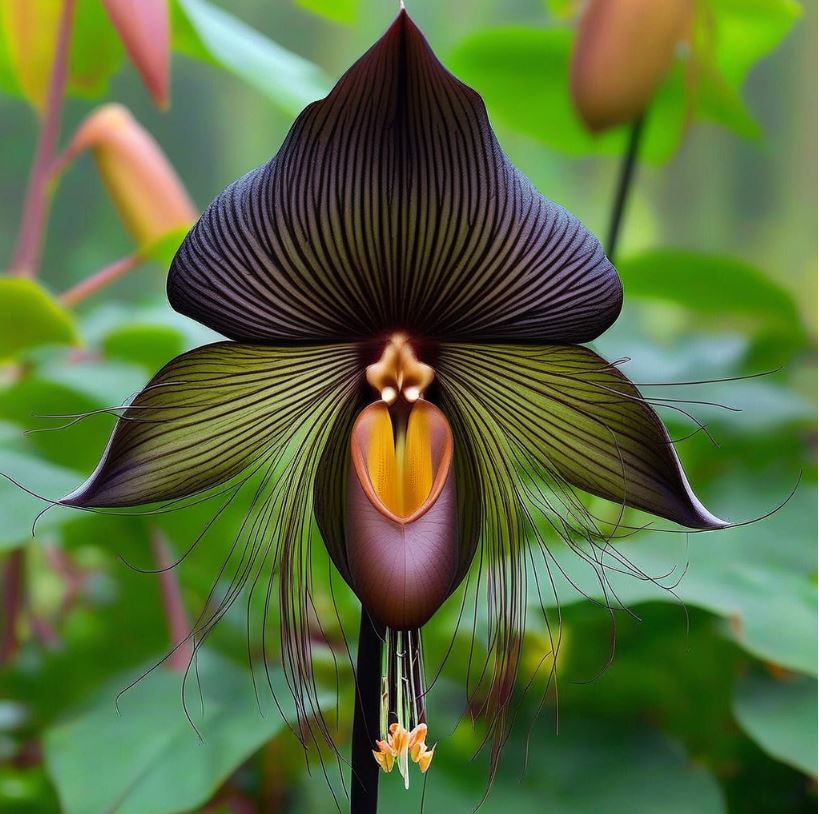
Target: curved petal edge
{"points": [[391, 207]]}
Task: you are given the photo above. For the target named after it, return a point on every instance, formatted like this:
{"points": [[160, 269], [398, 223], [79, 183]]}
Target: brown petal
{"points": [[402, 569], [391, 206]]}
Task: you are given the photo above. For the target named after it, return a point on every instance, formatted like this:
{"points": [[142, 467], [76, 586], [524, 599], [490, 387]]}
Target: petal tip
{"points": [[696, 516], [83, 496]]}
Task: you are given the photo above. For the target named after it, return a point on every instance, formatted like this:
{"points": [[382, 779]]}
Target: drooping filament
{"points": [[403, 725]]}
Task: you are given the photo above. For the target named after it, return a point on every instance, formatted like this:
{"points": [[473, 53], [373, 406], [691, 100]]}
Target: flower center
{"points": [[399, 373], [399, 460]]}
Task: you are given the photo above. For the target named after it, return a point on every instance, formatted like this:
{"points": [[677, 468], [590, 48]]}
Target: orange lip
{"points": [[402, 567], [359, 461]]}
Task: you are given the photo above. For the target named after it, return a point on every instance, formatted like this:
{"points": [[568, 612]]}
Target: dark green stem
{"points": [[364, 781], [624, 186]]}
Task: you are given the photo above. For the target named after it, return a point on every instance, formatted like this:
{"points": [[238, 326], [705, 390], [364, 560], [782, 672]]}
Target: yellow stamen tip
{"points": [[401, 746], [418, 734], [425, 759], [384, 759]]}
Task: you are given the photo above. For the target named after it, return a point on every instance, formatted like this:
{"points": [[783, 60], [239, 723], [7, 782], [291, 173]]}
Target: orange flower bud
{"points": [[623, 51], [143, 28], [30, 28], [145, 189]]}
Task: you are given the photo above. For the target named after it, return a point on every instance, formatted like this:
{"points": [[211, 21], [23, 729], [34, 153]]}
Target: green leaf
{"points": [[339, 11], [69, 389], [588, 768], [727, 572], [163, 249], [8, 77], [523, 76], [30, 316], [210, 34], [148, 345], [96, 50], [96, 53], [721, 288], [780, 715], [562, 9], [722, 103], [26, 790], [104, 385], [108, 317], [18, 509], [734, 36], [148, 759], [745, 31]]}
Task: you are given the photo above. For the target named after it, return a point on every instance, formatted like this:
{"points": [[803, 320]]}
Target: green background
{"points": [[708, 701]]}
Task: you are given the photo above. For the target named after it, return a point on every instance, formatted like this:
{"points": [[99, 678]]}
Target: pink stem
{"points": [[13, 574], [178, 628], [60, 163], [100, 279], [26, 258]]}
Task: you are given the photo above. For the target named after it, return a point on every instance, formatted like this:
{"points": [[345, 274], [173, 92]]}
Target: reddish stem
{"points": [[26, 258], [13, 574], [178, 628], [44, 631], [60, 164], [100, 279], [72, 577]]}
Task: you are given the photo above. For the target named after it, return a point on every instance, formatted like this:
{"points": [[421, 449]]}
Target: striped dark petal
{"points": [[390, 206], [577, 418], [213, 413]]}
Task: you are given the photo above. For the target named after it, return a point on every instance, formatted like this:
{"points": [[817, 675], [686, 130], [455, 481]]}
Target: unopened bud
{"points": [[30, 30], [143, 28], [145, 188], [623, 50]]}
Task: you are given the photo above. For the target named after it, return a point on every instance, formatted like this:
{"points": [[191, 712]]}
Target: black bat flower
{"points": [[404, 311]]}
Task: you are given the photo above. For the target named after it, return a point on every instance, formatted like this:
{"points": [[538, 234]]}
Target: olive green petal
{"points": [[210, 414], [577, 416]]}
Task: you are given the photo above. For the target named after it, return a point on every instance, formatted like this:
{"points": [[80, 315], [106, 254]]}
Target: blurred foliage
{"points": [[209, 33], [518, 69], [695, 691], [28, 41], [29, 317]]}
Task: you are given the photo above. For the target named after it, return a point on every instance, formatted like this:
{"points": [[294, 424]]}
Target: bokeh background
{"points": [[701, 698]]}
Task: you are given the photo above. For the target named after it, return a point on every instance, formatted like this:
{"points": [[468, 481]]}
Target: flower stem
{"points": [[178, 629], [100, 279], [624, 186], [26, 258], [13, 574], [24, 262], [364, 781]]}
